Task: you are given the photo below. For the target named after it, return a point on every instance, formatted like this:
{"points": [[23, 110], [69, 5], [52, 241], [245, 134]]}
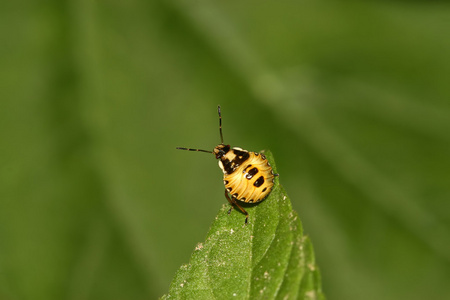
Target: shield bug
{"points": [[248, 176]]}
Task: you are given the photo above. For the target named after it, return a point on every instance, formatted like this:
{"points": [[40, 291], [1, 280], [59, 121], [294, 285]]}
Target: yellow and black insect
{"points": [[248, 176]]}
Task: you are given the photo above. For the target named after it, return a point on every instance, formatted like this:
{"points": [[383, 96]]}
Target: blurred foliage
{"points": [[352, 98]]}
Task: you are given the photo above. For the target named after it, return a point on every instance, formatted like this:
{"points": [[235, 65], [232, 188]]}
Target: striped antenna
{"points": [[190, 149], [221, 135], [220, 124]]}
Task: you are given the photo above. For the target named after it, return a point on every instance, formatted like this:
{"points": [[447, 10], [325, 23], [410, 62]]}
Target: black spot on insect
{"points": [[251, 173], [239, 152], [228, 166], [265, 189], [259, 181], [229, 189], [235, 195], [241, 156], [250, 201], [225, 182]]}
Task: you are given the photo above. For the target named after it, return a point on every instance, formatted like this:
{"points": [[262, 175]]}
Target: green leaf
{"points": [[269, 258]]}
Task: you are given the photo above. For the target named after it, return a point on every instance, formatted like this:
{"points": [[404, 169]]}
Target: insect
{"points": [[248, 176]]}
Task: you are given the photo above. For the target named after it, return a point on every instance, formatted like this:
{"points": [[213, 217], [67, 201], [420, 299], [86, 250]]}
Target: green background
{"points": [[351, 98]]}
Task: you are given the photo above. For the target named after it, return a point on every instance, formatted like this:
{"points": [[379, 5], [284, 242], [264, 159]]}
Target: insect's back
{"points": [[251, 180]]}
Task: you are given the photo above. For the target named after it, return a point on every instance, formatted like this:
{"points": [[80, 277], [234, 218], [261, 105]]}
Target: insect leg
{"points": [[233, 202]]}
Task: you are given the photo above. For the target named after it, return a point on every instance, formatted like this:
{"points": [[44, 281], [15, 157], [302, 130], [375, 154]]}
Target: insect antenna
{"points": [[221, 135], [190, 149], [220, 124]]}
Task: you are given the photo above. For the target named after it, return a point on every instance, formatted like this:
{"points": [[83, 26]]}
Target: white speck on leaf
{"points": [[221, 263]]}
